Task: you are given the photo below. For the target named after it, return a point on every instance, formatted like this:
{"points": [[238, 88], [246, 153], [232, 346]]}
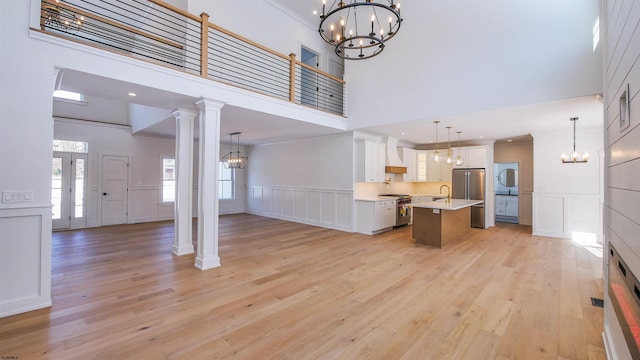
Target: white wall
{"points": [[567, 197], [465, 61], [308, 181], [622, 170]]}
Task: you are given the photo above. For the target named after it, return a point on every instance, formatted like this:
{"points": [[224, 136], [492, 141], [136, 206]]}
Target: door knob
{"points": [[104, 194]]}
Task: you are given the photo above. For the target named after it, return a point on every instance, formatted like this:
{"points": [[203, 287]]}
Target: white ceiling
{"points": [[260, 128]]}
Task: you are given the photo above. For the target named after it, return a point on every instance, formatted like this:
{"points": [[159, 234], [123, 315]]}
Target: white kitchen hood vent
{"points": [[393, 163]]}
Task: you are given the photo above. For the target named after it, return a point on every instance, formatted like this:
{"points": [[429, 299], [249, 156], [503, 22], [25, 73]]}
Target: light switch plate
{"points": [[21, 196]]}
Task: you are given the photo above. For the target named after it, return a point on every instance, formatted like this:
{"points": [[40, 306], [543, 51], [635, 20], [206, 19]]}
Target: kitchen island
{"points": [[437, 223]]}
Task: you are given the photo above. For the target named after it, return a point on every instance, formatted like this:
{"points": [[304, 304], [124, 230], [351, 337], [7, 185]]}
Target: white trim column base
{"points": [[206, 264], [182, 249]]}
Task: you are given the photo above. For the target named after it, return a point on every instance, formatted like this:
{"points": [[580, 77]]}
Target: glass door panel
{"points": [[68, 190]]}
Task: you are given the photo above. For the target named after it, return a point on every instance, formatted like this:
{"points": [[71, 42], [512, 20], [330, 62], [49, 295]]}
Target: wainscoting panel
{"points": [[322, 207], [559, 215], [25, 253], [549, 215]]}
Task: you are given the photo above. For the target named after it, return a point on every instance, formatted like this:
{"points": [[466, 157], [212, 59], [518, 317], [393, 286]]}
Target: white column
{"points": [[208, 207], [183, 241]]}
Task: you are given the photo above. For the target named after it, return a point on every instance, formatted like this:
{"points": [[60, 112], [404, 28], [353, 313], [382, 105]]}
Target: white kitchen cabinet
{"points": [[422, 164], [473, 157], [438, 171], [375, 216], [370, 158], [385, 214], [409, 159]]}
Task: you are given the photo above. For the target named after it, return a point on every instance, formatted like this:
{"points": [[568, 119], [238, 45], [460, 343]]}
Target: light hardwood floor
{"points": [[292, 291]]}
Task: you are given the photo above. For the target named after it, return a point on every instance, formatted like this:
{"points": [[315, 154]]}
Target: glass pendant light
{"points": [[449, 158], [436, 154], [459, 161]]}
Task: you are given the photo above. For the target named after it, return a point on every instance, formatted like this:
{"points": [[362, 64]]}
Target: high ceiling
{"points": [[495, 123]]}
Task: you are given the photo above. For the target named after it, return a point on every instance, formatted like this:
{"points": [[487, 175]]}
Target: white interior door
{"points": [[115, 174]]}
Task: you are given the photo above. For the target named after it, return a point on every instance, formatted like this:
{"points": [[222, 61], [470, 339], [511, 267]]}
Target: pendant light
{"points": [[574, 157], [234, 159], [459, 161], [449, 158], [436, 154]]}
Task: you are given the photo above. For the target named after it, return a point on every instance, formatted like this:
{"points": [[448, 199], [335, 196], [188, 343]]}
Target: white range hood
{"points": [[393, 164]]}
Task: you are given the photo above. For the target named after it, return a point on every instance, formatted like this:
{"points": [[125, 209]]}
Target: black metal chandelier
{"points": [[359, 29]]}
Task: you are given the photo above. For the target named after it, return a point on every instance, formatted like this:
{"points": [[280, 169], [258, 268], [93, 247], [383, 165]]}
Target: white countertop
{"points": [[454, 204]]}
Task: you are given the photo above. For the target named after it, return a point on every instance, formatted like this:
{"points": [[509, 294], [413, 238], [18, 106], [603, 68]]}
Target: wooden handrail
{"points": [[175, 9], [113, 23], [261, 47]]}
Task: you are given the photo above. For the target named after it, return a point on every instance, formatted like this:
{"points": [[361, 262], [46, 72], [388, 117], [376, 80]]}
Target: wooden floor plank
{"points": [[293, 291]]}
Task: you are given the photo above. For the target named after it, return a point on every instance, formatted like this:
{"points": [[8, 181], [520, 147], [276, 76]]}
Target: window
{"points": [[71, 146], [225, 182], [596, 33], [168, 179], [68, 95]]}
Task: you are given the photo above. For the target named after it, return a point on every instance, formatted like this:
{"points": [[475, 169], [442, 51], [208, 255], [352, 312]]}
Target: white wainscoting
{"points": [[321, 207], [559, 215], [25, 254]]}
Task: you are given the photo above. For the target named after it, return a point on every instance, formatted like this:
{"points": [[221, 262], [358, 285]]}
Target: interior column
{"points": [[185, 124], [208, 206]]}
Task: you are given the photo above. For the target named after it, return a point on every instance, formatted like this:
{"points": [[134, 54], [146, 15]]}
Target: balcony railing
{"points": [[157, 32]]}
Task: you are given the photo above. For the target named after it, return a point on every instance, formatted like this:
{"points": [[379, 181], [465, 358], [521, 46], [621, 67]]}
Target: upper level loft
{"points": [[160, 33]]}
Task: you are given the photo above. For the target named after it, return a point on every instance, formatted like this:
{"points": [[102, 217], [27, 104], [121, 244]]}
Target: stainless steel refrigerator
{"points": [[470, 184]]}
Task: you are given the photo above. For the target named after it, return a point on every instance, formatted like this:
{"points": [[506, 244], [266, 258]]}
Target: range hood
{"points": [[393, 164]]}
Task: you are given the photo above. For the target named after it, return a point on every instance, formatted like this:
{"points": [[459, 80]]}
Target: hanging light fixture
{"points": [[62, 19], [436, 154], [234, 159], [459, 161], [574, 156], [359, 29], [449, 158]]}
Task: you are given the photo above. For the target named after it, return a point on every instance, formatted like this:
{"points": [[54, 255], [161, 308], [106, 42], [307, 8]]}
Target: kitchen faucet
{"points": [[448, 192]]}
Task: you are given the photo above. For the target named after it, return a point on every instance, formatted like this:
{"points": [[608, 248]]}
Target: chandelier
{"points": [[235, 159], [359, 29], [58, 17], [574, 156]]}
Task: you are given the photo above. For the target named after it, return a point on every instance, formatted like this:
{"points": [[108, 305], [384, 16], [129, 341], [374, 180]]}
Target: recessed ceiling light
{"points": [[132, 94], [481, 137], [509, 140], [315, 12], [403, 133]]}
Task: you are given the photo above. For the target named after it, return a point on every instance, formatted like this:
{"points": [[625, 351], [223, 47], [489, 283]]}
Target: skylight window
{"points": [[596, 33], [68, 95]]}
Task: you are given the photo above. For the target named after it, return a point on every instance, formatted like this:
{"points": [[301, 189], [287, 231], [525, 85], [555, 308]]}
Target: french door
{"points": [[68, 190]]}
